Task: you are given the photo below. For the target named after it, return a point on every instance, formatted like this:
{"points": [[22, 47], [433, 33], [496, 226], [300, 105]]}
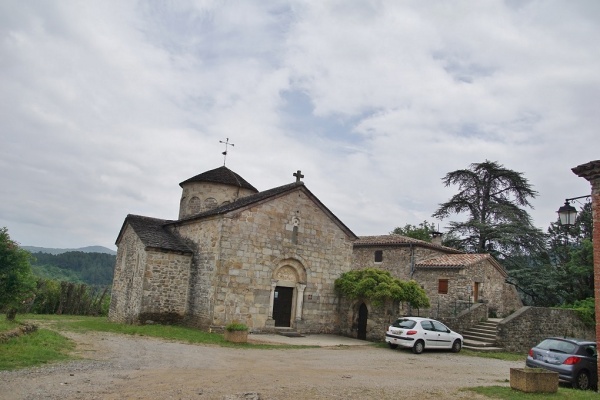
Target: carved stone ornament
{"points": [[286, 273]]}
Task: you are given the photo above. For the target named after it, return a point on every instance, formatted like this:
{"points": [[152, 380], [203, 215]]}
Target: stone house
{"points": [[452, 280], [270, 259]]}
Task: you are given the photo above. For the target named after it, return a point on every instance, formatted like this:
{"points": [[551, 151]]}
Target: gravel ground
{"points": [[124, 367]]}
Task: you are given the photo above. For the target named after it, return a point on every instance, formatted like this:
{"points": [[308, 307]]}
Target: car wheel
{"points": [[393, 346], [418, 347], [456, 346], [582, 381]]}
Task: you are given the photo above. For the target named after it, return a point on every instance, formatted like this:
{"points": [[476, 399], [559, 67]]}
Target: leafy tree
{"points": [[16, 280], [565, 272], [422, 231], [493, 198], [379, 286]]}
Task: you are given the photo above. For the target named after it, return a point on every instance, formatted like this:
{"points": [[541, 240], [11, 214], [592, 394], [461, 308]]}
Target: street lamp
{"points": [[567, 212]]}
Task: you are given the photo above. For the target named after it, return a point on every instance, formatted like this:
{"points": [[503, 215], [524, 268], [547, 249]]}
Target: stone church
{"points": [[270, 259]]}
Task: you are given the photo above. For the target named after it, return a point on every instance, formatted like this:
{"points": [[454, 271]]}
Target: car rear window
{"points": [[557, 346], [404, 323]]}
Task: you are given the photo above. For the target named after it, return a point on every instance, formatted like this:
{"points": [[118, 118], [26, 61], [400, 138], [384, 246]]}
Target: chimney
{"points": [[436, 237]]}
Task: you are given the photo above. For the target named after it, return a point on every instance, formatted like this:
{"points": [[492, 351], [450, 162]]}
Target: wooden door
{"points": [[282, 306]]}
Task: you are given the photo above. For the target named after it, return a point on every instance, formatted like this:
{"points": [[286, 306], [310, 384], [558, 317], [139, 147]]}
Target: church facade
{"points": [[270, 260]]}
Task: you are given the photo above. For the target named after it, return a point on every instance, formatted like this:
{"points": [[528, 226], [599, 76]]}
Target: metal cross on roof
{"points": [[226, 143], [298, 175]]}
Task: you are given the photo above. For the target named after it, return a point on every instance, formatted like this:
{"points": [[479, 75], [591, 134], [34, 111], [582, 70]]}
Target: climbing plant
{"points": [[378, 286]]}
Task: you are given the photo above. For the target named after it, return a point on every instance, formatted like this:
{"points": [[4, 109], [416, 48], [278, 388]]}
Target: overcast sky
{"points": [[105, 106]]}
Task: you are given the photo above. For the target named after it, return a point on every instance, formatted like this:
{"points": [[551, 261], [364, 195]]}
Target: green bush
{"points": [[236, 326]]}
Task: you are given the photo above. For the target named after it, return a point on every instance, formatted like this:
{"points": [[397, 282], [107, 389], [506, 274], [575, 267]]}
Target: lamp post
{"points": [[591, 172], [567, 212]]}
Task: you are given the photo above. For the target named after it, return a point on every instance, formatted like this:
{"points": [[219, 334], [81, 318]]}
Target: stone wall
{"points": [[498, 295], [396, 259], [205, 239], [197, 197], [530, 325], [165, 286], [468, 318], [126, 296], [378, 320], [148, 284]]}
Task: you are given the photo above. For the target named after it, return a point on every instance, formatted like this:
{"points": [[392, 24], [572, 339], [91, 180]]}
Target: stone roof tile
{"points": [[152, 233], [221, 175]]}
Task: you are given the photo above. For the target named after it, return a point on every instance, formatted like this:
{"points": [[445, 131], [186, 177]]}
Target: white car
{"points": [[418, 334]]}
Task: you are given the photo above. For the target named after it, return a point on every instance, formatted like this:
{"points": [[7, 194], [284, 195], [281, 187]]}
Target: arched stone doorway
{"points": [[287, 293], [363, 316]]}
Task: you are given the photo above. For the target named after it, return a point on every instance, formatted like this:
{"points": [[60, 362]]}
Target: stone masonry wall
{"points": [[379, 318], [126, 296], [205, 238], [468, 318], [166, 285], [396, 260], [197, 197], [530, 325], [289, 231], [499, 296]]}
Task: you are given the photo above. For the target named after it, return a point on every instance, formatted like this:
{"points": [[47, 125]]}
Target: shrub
{"points": [[236, 326]]}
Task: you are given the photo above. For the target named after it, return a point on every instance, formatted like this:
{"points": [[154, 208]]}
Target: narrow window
{"points": [[443, 286], [378, 255]]}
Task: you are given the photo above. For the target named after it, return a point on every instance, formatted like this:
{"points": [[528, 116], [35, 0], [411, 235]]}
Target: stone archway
{"points": [[287, 293], [363, 316]]}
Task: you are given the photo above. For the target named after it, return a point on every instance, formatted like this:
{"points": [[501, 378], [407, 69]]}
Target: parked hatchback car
{"points": [[419, 334], [575, 360]]}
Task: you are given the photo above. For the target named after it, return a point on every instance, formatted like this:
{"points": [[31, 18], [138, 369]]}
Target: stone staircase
{"points": [[482, 337], [288, 332]]}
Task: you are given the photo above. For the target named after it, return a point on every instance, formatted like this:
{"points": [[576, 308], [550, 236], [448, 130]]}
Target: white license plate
{"points": [[396, 331]]}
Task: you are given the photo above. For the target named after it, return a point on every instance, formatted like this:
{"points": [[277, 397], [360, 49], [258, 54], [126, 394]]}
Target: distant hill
{"points": [[92, 268], [87, 249]]}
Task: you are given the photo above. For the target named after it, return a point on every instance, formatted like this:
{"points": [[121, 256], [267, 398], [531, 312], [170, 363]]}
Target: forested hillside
{"points": [[75, 266]]}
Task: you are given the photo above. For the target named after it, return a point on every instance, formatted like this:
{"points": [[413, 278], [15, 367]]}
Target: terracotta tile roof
{"points": [[221, 175], [459, 261], [399, 240], [452, 260], [153, 234]]}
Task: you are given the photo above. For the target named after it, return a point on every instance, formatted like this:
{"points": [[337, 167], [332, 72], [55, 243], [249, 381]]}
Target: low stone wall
{"points": [[19, 331], [468, 318], [530, 325]]}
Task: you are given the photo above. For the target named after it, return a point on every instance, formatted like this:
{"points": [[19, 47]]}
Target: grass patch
{"points": [[497, 355], [40, 347], [503, 392], [169, 332]]}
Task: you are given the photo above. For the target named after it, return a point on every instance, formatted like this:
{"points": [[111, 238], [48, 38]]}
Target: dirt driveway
{"points": [[125, 367]]}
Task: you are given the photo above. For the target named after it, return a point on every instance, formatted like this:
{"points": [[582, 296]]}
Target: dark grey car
{"points": [[575, 360]]}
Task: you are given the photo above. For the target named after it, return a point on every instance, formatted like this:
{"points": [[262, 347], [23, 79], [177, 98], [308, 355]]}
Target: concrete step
{"points": [[483, 331], [479, 335], [491, 348], [478, 343]]}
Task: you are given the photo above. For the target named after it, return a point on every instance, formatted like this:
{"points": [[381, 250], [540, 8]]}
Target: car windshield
{"points": [[557, 346], [404, 323]]}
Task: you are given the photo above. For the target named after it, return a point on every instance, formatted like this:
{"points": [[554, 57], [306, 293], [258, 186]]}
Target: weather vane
{"points": [[226, 143]]}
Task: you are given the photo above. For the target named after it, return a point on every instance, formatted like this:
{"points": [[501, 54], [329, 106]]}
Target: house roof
{"points": [[153, 234], [458, 261], [400, 241], [221, 175], [261, 197]]}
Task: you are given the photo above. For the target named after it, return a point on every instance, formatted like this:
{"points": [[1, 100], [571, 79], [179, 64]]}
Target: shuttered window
{"points": [[378, 255], [443, 286]]}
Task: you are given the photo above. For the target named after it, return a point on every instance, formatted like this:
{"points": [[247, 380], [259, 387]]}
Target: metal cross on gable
{"points": [[226, 143], [298, 175]]}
